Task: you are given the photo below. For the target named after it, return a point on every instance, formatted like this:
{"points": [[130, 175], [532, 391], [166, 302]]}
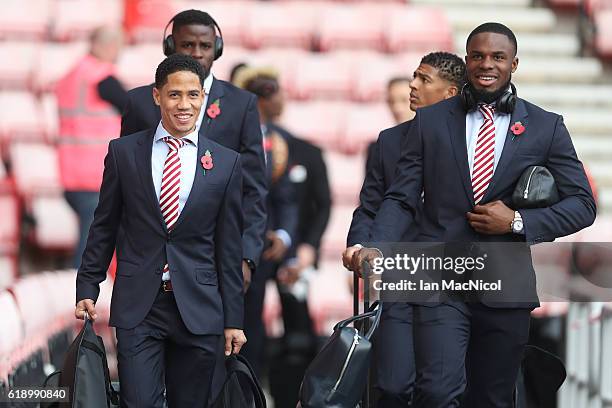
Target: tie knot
{"points": [[174, 143], [487, 111]]}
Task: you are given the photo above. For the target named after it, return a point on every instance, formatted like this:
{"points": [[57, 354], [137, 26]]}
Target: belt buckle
{"points": [[167, 286]]}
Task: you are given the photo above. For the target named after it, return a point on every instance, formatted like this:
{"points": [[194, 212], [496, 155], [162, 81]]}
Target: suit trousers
{"points": [[393, 371], [160, 353], [468, 344]]}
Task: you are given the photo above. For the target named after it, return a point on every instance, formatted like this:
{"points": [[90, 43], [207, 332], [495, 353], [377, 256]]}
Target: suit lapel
{"points": [[456, 127], [217, 91], [143, 163], [510, 145], [199, 179]]}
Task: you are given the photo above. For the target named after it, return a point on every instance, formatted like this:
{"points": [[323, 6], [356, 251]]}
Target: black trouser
{"points": [[468, 344], [160, 353]]}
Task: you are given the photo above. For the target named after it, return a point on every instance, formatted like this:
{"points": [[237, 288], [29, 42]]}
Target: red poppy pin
{"points": [[214, 109], [517, 129], [207, 161]]}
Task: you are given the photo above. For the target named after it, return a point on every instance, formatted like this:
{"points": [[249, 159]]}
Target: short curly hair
{"points": [[449, 66], [175, 63], [192, 17]]}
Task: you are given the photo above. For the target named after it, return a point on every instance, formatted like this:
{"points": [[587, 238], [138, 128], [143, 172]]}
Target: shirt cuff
{"points": [[284, 236]]}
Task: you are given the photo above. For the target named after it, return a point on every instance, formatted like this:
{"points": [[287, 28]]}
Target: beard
{"points": [[489, 97]]}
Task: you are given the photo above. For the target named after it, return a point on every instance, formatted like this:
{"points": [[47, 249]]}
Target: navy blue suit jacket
{"points": [[236, 127], [381, 165], [204, 250], [434, 160]]}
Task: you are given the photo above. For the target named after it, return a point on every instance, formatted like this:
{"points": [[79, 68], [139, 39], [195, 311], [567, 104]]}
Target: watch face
{"points": [[517, 226]]}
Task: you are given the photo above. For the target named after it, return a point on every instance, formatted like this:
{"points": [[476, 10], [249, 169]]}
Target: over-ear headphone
{"points": [[505, 103], [170, 47]]}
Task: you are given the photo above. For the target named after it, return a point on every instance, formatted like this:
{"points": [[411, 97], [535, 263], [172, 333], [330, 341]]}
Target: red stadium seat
{"points": [[25, 20], [32, 301], [9, 227], [230, 15], [231, 56], [11, 329], [19, 58], [346, 176], [57, 227], [419, 29], [321, 123], [363, 124], [50, 117], [329, 299], [76, 19], [285, 60], [8, 271], [20, 117], [603, 36], [289, 25], [144, 20], [54, 61], [357, 26], [35, 169], [137, 64], [324, 76]]}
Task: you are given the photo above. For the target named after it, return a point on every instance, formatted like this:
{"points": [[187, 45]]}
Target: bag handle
{"points": [[238, 364], [99, 349], [375, 311]]}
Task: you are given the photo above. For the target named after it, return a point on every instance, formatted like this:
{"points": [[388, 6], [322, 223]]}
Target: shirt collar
{"points": [[161, 132], [208, 83]]}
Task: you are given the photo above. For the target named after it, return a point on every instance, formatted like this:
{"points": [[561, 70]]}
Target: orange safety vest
{"points": [[86, 124]]}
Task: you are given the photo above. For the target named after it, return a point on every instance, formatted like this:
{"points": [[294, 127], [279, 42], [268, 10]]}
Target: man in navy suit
{"points": [[479, 342], [176, 196], [439, 76], [234, 122]]}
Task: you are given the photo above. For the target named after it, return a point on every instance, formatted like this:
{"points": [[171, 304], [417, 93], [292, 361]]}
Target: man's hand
{"points": [[347, 256], [277, 249], [289, 274], [246, 276], [306, 255], [364, 255], [492, 218], [234, 340], [85, 305]]}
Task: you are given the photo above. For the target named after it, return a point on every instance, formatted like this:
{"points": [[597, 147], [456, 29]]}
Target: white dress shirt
{"points": [[207, 85], [473, 120], [188, 155]]}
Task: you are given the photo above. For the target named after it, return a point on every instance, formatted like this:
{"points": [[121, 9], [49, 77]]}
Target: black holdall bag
{"points": [[536, 188], [85, 373], [232, 395], [338, 375]]}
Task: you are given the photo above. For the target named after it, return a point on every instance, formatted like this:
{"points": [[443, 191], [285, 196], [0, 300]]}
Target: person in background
{"points": [[439, 76], [89, 99], [398, 99]]}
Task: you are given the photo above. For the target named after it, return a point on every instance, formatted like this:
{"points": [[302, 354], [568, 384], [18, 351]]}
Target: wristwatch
{"points": [[517, 223], [250, 264]]}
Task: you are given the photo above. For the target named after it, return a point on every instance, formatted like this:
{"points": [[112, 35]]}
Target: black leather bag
{"points": [[239, 376], [338, 375], [535, 189]]}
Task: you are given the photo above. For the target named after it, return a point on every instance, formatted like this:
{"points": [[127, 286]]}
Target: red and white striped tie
{"points": [[484, 157], [171, 183]]}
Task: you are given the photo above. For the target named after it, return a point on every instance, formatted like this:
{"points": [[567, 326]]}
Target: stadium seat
{"points": [[324, 76], [21, 20], [231, 56], [76, 19], [346, 175], [19, 58], [54, 61], [329, 299], [321, 123], [419, 29], [357, 26], [334, 238], [9, 227], [603, 36], [289, 25], [363, 124], [20, 117], [32, 300], [41, 178], [57, 226], [8, 271], [137, 64], [145, 20], [285, 60], [230, 15], [50, 117], [11, 329]]}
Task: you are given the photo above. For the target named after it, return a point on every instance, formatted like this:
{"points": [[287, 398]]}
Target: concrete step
{"points": [[602, 173], [604, 204], [500, 3], [592, 148], [591, 121], [520, 19], [540, 44], [566, 94], [558, 69]]}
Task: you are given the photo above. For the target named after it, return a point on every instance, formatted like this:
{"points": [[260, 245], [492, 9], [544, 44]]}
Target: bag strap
{"points": [[112, 395], [236, 363], [375, 311]]}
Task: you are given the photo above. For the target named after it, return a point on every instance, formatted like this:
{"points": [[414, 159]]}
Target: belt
{"points": [[166, 286]]}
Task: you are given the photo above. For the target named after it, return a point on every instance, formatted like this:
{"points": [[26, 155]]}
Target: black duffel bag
{"points": [[338, 375], [536, 188], [239, 378]]}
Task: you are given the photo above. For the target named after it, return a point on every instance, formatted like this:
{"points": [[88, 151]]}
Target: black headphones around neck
{"points": [[170, 47], [504, 104]]}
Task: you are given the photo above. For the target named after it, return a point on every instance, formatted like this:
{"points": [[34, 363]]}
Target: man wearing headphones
{"points": [[466, 154], [229, 117]]}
